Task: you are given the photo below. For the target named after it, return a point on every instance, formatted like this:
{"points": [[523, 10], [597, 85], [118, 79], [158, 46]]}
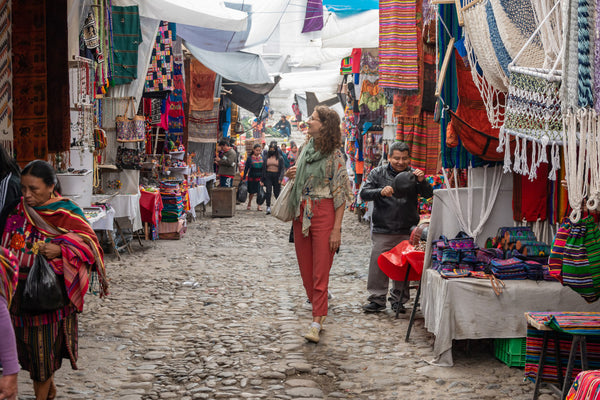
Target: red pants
{"points": [[314, 257]]}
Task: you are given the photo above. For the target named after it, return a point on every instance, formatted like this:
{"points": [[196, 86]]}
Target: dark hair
{"points": [[292, 144], [399, 146], [273, 143], [8, 164], [331, 135], [224, 142], [256, 145], [43, 170]]}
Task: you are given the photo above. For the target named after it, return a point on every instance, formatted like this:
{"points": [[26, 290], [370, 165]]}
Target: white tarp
{"points": [[237, 66], [322, 81], [263, 19], [358, 30], [206, 13], [316, 56]]}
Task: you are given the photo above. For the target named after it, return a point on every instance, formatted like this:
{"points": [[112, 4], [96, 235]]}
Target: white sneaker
{"points": [[268, 210]]}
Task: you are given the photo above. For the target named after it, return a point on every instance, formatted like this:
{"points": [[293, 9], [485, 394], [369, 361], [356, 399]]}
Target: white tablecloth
{"points": [[125, 205], [206, 179], [104, 221], [468, 308], [198, 195]]}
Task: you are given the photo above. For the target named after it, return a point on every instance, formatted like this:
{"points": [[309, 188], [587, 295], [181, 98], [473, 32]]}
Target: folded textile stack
{"points": [[513, 268], [534, 270], [172, 198]]}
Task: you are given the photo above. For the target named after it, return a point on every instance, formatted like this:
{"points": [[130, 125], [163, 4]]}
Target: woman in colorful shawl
{"points": [[9, 268], [57, 229], [321, 189], [254, 171]]}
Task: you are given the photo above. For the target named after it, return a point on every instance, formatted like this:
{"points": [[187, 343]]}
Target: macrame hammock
{"points": [[492, 80], [533, 106], [581, 122]]}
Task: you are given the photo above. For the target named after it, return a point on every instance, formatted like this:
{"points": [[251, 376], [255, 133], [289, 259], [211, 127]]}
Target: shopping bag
{"points": [[242, 192], [281, 208], [130, 129], [44, 289], [581, 263], [261, 196]]}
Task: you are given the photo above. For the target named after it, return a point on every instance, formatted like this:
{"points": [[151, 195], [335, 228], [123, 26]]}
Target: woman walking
{"points": [[253, 171], [9, 268], [55, 228], [273, 170], [321, 189]]}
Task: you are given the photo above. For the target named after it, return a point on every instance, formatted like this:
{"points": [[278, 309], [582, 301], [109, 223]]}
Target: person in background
{"points": [[273, 171], [286, 162], [292, 153], [253, 172], [227, 164], [10, 185], [9, 270], [394, 214], [319, 195], [284, 127], [58, 229]]}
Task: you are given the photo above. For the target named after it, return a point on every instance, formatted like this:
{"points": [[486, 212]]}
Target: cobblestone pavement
{"points": [[220, 314]]}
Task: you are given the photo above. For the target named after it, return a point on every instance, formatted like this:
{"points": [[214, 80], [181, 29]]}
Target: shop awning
{"points": [[344, 7], [237, 66], [211, 14], [321, 81], [244, 97], [263, 20]]}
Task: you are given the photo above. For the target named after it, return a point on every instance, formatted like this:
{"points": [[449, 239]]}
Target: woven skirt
{"points": [[42, 348]]}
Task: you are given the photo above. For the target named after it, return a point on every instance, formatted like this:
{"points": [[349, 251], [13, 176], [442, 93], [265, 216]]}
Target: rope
{"points": [[584, 78], [575, 165]]}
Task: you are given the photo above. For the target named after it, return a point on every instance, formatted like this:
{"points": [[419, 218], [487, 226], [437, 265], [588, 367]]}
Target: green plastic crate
{"points": [[511, 352]]}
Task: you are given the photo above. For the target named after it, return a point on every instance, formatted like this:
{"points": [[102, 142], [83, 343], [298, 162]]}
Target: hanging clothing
{"points": [[160, 71], [127, 36]]}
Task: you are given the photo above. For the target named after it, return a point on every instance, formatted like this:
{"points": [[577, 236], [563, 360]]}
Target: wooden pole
{"points": [[444, 69]]}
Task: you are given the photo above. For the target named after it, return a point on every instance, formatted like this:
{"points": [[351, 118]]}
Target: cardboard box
{"points": [[223, 201]]}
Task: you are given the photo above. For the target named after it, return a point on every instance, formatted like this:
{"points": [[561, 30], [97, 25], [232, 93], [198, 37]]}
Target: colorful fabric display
{"points": [[485, 256], [372, 101], [586, 386], [515, 233], [513, 268], [530, 196], [346, 66], [173, 201], [581, 262], [202, 87], [550, 373], [127, 36], [455, 273], [160, 71], [534, 270]]}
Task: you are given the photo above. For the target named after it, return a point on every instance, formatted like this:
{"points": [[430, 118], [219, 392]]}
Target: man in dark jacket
{"points": [[227, 164], [394, 214], [284, 127]]}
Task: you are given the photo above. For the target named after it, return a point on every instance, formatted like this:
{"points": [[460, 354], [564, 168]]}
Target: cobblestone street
{"points": [[220, 314]]}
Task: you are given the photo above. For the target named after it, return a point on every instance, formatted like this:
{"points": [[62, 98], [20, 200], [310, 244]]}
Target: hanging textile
{"points": [[127, 36], [369, 62], [203, 125], [6, 103], [29, 80], [422, 135], [398, 53], [57, 67], [372, 101], [313, 21], [530, 198], [346, 66], [202, 86], [470, 121], [160, 70]]}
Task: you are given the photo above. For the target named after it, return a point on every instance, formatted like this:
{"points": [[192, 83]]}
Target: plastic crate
{"points": [[511, 352]]}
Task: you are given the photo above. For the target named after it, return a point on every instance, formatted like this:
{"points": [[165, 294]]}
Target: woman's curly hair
{"points": [[330, 138]]}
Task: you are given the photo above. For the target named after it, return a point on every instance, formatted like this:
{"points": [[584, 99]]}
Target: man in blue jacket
{"points": [[394, 214]]}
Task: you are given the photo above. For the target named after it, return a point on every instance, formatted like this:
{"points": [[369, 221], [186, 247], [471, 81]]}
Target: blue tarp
{"points": [[342, 7]]}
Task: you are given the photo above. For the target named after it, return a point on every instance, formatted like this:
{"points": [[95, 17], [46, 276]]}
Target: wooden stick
{"points": [[471, 4], [444, 69], [459, 9]]}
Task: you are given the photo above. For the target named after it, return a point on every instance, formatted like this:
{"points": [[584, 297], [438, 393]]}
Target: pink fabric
{"points": [[8, 346], [314, 257]]}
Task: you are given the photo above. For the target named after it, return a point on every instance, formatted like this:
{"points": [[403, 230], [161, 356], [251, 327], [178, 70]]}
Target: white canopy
{"points": [[322, 81], [358, 30], [206, 13]]}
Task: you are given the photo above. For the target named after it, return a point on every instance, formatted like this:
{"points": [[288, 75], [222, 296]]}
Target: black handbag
{"points": [[128, 158], [261, 196], [242, 192], [44, 290]]}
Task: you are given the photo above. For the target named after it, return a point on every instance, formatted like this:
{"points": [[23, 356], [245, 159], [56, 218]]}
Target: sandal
{"points": [[248, 208], [258, 208]]}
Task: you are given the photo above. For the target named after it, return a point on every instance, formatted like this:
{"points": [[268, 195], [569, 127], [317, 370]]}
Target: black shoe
{"points": [[398, 307], [373, 307]]}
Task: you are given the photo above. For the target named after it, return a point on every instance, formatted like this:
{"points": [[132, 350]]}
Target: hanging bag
{"points": [[130, 129], [242, 192], [581, 262], [261, 196], [44, 290], [281, 207]]}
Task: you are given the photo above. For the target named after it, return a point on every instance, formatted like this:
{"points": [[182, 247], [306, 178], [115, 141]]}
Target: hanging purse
{"points": [[281, 208], [130, 129], [129, 158]]}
